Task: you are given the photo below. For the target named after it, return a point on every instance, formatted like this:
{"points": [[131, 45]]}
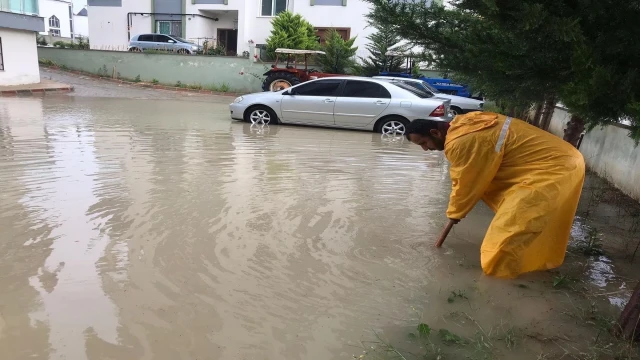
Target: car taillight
{"points": [[439, 111]]}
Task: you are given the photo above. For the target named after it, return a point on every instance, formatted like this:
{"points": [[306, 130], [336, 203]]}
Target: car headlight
{"points": [[194, 47], [238, 99]]}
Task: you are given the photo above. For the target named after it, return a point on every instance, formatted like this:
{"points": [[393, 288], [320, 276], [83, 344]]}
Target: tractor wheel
{"points": [[279, 81]]}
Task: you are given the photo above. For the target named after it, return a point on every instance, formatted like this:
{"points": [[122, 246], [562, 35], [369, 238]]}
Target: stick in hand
{"points": [[445, 232]]}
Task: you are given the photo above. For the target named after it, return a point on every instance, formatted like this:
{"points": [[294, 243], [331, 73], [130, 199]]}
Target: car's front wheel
{"points": [[183, 52], [261, 115], [395, 126]]}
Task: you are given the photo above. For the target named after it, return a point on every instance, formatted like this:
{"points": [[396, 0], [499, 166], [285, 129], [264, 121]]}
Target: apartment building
{"points": [[19, 24], [236, 24]]}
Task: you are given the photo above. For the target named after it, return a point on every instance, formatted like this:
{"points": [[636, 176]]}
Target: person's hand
{"points": [[455, 221]]}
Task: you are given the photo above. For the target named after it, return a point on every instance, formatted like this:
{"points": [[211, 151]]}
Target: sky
{"points": [[78, 5]]}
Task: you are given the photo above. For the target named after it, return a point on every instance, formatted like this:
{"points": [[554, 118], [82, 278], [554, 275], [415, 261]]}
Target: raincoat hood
{"points": [[469, 123]]}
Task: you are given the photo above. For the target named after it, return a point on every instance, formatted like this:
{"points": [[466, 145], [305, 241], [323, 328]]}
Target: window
{"points": [[169, 27], [273, 7], [54, 22], [1, 57], [54, 32], [318, 88], [145, 38], [163, 39], [365, 89], [409, 86], [414, 85]]}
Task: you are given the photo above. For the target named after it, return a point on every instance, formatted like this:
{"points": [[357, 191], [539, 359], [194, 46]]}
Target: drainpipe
{"points": [[153, 18], [130, 19], [184, 19]]}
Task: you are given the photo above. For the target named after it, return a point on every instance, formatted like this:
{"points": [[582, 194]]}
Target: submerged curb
{"points": [[145, 84], [31, 92]]}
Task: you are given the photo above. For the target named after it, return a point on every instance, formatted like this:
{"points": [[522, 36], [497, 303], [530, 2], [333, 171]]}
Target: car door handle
{"points": [[380, 102], [328, 100]]}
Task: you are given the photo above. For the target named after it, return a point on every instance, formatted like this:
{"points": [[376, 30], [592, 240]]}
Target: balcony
{"points": [[27, 7], [20, 15]]}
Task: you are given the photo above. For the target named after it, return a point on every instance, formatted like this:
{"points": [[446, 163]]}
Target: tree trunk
{"points": [[629, 322], [537, 115], [574, 129], [548, 109]]}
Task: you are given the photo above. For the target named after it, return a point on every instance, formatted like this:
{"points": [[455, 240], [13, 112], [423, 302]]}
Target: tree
{"points": [[534, 51], [291, 31], [379, 43], [339, 53]]}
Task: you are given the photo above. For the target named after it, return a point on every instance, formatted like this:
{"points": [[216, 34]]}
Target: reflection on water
{"points": [[162, 230], [139, 233]]}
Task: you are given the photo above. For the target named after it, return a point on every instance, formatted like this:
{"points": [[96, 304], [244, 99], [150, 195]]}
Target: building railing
{"points": [[29, 7]]}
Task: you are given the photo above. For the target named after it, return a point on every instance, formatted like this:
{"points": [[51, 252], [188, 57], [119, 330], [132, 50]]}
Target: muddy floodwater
{"points": [[148, 229]]}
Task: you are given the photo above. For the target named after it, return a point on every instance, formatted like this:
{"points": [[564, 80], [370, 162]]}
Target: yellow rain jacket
{"points": [[530, 178]]}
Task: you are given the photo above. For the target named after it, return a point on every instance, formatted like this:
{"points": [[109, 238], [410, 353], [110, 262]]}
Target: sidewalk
{"points": [[44, 86]]}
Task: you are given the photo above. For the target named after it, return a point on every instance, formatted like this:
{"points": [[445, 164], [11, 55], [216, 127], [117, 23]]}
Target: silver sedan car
{"points": [[342, 102]]}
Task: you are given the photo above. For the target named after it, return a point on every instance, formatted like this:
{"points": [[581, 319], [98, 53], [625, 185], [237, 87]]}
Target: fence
{"points": [[236, 74], [608, 151]]}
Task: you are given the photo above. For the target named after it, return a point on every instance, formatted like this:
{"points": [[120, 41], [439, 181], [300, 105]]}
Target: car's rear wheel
{"points": [[261, 115], [279, 81], [455, 111], [393, 126], [135, 49]]}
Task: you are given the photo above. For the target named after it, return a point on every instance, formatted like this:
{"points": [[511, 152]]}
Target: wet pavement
{"points": [[160, 229]]}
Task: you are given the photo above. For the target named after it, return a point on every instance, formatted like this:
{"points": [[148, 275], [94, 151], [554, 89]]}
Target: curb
{"points": [[30, 92], [143, 84]]}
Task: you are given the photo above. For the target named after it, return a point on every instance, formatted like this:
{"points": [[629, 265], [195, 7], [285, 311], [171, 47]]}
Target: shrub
{"points": [[291, 31], [217, 51], [339, 53]]}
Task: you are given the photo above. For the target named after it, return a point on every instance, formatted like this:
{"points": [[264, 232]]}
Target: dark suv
{"points": [[162, 42]]}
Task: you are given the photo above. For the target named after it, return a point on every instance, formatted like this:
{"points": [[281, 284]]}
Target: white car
{"points": [[342, 102], [459, 104]]}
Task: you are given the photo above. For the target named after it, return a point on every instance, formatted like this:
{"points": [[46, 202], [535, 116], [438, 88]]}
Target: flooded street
{"points": [[160, 229]]}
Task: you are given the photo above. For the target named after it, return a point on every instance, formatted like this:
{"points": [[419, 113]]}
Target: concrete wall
{"points": [[166, 68], [608, 151], [20, 57], [60, 9]]}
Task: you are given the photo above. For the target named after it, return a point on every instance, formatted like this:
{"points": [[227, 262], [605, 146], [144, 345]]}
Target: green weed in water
{"points": [[450, 338], [457, 294]]}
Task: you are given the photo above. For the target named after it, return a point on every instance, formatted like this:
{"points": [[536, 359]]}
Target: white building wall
{"points": [[60, 9], [351, 16], [81, 26], [108, 24], [20, 57]]}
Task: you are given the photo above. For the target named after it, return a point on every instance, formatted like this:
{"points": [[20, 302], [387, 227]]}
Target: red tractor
{"points": [[280, 78]]}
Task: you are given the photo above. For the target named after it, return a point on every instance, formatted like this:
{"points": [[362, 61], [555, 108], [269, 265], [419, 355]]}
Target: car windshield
{"points": [[181, 39], [414, 91]]}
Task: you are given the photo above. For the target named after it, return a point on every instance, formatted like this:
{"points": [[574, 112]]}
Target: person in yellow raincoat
{"points": [[530, 178]]}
